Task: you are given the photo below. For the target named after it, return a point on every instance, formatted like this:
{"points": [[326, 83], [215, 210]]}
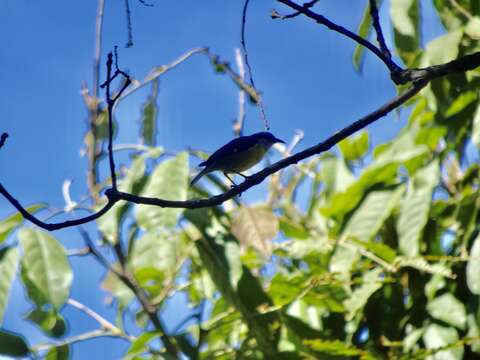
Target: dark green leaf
{"points": [[12, 344], [58, 353]]}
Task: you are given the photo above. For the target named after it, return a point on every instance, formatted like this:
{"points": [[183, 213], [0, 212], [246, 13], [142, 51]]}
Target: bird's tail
{"points": [[199, 175]]}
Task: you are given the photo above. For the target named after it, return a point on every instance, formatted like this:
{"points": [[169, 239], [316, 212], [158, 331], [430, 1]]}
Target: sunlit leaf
{"points": [[148, 121], [8, 269], [444, 48], [473, 267], [448, 309], [10, 223], [415, 209], [168, 181], [405, 16], [356, 147], [437, 336], [45, 265]]}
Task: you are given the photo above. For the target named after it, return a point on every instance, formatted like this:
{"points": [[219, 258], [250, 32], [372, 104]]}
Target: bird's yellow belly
{"points": [[242, 161]]}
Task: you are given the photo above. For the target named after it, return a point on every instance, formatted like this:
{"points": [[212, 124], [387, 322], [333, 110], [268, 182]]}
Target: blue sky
{"points": [[304, 71]]}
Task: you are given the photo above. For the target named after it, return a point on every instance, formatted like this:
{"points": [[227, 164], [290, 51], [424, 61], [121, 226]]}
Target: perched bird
{"points": [[238, 155]]}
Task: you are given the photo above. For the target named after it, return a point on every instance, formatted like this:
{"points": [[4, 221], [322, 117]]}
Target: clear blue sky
{"points": [[303, 69]]}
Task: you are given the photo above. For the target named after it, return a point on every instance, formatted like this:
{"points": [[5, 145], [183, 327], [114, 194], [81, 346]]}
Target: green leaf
{"points": [[369, 217], [356, 147], [363, 31], [110, 223], [256, 227], [45, 266], [421, 264], [405, 16], [444, 48], [117, 288], [8, 269], [292, 230], [416, 208], [473, 28], [12, 344], [437, 336], [10, 223], [148, 121], [154, 256], [332, 347], [50, 321], [168, 181], [473, 267], [58, 353], [448, 309], [461, 102], [372, 281], [476, 128], [140, 344]]}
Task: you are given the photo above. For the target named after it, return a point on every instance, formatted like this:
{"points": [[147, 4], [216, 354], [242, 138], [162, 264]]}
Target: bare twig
{"points": [[275, 15], [392, 66], [104, 323], [3, 138], [129, 25], [240, 121], [378, 29], [249, 68], [461, 9]]}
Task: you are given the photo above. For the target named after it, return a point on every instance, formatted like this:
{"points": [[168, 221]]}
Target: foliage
{"points": [[380, 261]]}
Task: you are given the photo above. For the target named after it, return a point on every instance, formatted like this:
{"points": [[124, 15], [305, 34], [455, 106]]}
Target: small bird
{"points": [[238, 155]]}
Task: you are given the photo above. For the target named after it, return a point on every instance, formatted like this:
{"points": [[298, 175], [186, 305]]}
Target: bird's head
{"points": [[267, 139]]}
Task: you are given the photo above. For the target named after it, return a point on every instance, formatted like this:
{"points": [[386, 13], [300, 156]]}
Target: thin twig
{"points": [[378, 29], [240, 121], [129, 25], [139, 293], [3, 138], [392, 66], [275, 15], [98, 48], [104, 323], [249, 68], [461, 9]]}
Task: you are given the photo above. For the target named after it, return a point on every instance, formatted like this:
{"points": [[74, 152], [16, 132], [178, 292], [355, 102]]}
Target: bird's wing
{"points": [[240, 144]]}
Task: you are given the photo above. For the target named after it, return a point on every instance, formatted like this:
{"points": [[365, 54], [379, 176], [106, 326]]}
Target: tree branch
{"points": [[391, 65], [378, 29]]}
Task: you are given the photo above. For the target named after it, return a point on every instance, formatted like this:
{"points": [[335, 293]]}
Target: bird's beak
{"points": [[279, 141]]}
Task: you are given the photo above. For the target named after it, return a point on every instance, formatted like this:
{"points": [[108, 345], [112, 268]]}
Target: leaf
{"points": [[437, 336], [154, 256], [12, 344], [444, 48], [415, 209], [45, 266], [476, 128], [473, 28], [363, 31], [369, 217], [50, 321], [148, 121], [110, 223], [168, 181], [461, 102], [10, 223], [473, 267], [448, 309], [405, 16], [291, 229], [8, 269], [332, 347], [372, 281], [356, 147], [140, 344], [256, 227], [58, 353], [117, 288]]}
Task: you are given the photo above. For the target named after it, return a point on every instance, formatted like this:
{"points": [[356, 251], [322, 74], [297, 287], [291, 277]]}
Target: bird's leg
{"points": [[230, 179], [245, 177]]}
